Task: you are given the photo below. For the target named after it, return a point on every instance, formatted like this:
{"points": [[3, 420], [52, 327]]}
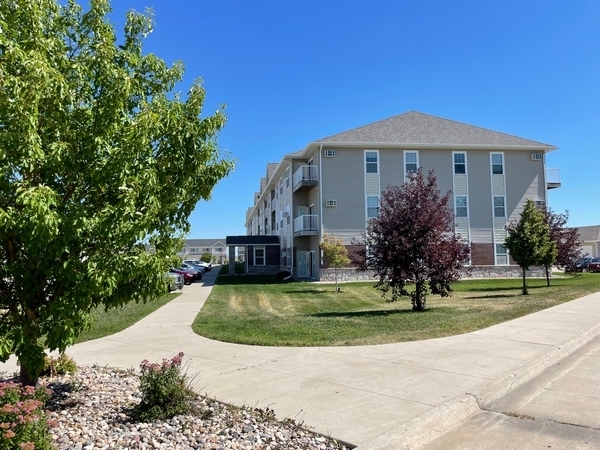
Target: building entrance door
{"points": [[303, 265]]}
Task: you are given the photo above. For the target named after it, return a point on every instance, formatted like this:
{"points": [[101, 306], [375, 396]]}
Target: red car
{"points": [[594, 265], [188, 277]]}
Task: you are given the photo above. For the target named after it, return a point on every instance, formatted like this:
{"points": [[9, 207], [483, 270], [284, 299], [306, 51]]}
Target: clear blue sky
{"points": [[292, 71]]}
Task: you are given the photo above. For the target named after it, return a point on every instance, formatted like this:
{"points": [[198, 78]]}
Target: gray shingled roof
{"points": [[589, 233], [271, 167], [417, 128], [203, 242]]}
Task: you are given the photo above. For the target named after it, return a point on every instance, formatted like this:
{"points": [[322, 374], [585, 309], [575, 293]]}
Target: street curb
{"points": [[438, 421]]}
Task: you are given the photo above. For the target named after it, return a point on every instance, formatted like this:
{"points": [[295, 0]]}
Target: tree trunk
{"points": [[25, 377], [524, 283], [547, 276], [418, 296], [337, 289]]}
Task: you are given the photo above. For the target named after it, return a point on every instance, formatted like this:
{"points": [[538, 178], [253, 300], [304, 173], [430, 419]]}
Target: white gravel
{"points": [[91, 410]]}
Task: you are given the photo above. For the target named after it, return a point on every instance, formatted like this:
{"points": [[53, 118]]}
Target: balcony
{"points": [[552, 178], [305, 178], [307, 225]]}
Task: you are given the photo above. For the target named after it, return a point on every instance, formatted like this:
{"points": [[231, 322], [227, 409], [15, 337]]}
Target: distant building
{"points": [[195, 248], [591, 240]]}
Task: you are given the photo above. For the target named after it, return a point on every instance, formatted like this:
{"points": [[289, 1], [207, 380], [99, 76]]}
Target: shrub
{"points": [[165, 390], [59, 366], [281, 275], [23, 422]]}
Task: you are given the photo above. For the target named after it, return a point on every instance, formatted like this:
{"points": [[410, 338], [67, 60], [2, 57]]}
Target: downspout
{"points": [[321, 209], [291, 227]]}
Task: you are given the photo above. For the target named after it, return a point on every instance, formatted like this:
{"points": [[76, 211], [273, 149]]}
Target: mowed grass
{"points": [[117, 319], [261, 311]]}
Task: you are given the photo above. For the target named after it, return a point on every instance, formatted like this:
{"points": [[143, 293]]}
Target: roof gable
{"points": [[417, 128]]}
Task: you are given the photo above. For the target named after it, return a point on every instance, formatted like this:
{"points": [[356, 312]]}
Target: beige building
{"points": [[333, 185], [195, 248]]}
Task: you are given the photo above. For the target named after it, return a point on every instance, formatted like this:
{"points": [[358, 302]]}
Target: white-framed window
{"points": [[329, 153], [460, 163], [371, 162], [461, 205], [372, 206], [499, 206], [497, 164], [501, 254], [411, 161], [259, 256]]}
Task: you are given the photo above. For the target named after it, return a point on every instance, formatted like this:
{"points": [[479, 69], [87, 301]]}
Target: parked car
{"points": [[594, 265], [581, 265], [188, 277], [196, 262], [198, 270], [174, 281]]}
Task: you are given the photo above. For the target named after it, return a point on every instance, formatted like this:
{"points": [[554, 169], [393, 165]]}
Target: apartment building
{"points": [[333, 185], [195, 248]]}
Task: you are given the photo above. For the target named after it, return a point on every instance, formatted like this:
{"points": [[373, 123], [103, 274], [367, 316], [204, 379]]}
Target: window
{"points": [[371, 161], [501, 254], [372, 206], [259, 256], [460, 163], [497, 165], [329, 153], [287, 182], [499, 207], [330, 202], [411, 162], [461, 205], [219, 249]]}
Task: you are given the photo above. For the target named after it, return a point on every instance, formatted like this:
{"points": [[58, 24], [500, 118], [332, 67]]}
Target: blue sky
{"points": [[293, 71]]}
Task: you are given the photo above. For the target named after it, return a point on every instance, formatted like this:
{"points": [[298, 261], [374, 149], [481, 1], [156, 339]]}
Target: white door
{"points": [[303, 264]]}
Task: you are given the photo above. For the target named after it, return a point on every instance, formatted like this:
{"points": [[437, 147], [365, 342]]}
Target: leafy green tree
{"points": [[99, 161], [528, 241], [334, 252], [206, 257]]}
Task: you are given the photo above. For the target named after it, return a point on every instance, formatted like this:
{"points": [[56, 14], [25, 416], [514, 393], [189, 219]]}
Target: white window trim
{"points": [[404, 160], [365, 179], [264, 257], [365, 160]]}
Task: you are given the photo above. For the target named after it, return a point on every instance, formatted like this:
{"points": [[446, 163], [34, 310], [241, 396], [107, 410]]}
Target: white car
{"points": [[196, 262]]}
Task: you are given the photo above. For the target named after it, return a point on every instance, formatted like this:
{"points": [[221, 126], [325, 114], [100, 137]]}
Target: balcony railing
{"points": [[307, 225], [305, 178], [552, 178]]}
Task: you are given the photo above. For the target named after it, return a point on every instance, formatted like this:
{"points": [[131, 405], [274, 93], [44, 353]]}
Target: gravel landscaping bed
{"points": [[91, 410]]}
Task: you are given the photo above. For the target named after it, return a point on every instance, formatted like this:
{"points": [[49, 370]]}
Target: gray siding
{"points": [[441, 162], [391, 168], [480, 197], [524, 180], [343, 180]]}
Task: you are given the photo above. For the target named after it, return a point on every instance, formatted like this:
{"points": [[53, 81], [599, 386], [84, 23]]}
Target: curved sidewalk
{"points": [[388, 396]]}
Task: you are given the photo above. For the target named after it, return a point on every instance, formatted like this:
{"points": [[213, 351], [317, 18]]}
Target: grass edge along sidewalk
{"points": [[259, 310]]}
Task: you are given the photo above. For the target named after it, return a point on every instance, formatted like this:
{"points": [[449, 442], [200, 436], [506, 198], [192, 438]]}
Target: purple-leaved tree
{"points": [[568, 241], [413, 241]]}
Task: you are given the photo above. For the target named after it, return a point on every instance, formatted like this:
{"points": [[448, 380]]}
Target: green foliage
{"points": [[206, 257], [60, 366], [165, 390], [99, 161], [23, 421], [528, 241], [335, 253]]}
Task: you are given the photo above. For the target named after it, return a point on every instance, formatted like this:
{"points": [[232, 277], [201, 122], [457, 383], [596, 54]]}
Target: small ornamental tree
{"points": [[335, 252], [99, 162], [568, 242], [206, 257], [412, 241], [528, 241]]}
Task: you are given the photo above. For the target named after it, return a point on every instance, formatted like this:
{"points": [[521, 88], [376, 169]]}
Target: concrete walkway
{"points": [[389, 396]]}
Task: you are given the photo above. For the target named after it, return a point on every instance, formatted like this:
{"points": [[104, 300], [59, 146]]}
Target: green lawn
{"points": [[115, 320], [261, 311]]}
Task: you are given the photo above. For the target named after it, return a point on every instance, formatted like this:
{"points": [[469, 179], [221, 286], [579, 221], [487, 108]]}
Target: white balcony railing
{"points": [[306, 224], [305, 174]]}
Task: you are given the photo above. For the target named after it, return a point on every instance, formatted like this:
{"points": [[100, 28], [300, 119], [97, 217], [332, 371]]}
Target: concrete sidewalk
{"points": [[389, 396]]}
